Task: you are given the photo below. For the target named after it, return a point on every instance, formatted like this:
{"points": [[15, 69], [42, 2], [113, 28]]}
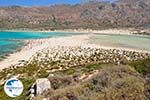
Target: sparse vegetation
{"points": [[142, 66], [84, 77], [69, 71], [112, 82]]}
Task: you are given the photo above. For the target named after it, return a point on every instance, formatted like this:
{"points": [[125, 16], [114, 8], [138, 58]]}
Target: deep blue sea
{"points": [[11, 41]]}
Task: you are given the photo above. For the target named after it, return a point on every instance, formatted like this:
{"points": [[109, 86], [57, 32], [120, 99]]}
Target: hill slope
{"points": [[94, 15]]}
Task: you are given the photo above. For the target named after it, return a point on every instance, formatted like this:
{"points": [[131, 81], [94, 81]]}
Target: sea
{"points": [[12, 41]]}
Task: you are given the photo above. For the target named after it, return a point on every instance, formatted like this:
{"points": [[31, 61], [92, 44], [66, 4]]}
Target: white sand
{"points": [[127, 31], [107, 31], [39, 44], [36, 45]]}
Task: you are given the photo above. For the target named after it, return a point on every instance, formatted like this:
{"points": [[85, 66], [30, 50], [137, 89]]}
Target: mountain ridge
{"points": [[92, 15]]}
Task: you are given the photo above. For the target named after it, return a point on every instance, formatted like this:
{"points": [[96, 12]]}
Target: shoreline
{"points": [[113, 31], [125, 31], [35, 45]]}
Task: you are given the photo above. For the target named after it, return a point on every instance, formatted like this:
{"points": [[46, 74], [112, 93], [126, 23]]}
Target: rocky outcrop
{"points": [[41, 85]]}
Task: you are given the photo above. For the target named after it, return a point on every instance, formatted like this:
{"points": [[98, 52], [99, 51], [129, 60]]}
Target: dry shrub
{"points": [[60, 81], [111, 83]]}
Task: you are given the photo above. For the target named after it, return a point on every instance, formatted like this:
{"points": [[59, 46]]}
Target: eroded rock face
{"points": [[41, 85]]}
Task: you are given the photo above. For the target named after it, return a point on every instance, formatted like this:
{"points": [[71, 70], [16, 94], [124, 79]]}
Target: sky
{"points": [[39, 2]]}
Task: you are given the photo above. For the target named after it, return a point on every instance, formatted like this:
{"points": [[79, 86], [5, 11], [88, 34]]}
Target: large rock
{"points": [[42, 85]]}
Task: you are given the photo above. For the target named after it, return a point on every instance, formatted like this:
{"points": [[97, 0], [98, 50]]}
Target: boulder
{"points": [[41, 85]]}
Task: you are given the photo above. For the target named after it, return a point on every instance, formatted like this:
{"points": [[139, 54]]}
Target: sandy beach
{"points": [[36, 45], [128, 31]]}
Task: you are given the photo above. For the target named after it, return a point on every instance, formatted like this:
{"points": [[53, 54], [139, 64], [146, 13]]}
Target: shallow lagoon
{"points": [[122, 41], [12, 41]]}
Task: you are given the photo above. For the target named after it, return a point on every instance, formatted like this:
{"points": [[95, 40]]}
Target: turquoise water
{"points": [[123, 41], [11, 41]]}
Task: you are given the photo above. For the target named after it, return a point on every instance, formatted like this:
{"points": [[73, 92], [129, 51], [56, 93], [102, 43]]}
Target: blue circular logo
{"points": [[13, 87]]}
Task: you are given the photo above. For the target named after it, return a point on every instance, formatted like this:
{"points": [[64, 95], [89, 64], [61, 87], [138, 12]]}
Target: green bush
{"points": [[69, 71], [142, 66]]}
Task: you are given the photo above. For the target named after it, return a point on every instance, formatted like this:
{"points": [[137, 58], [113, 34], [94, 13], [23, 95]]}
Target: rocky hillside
{"points": [[94, 15], [65, 73]]}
